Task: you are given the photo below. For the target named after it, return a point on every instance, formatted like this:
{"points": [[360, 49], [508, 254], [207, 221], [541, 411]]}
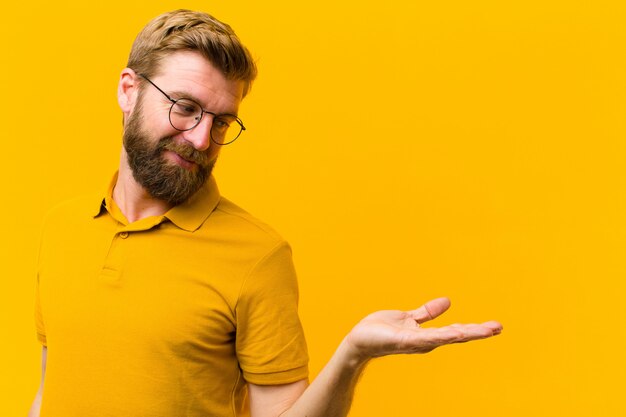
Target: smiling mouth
{"points": [[178, 159]]}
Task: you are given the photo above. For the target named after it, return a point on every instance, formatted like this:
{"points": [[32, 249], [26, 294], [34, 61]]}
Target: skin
{"points": [[184, 72], [379, 334]]}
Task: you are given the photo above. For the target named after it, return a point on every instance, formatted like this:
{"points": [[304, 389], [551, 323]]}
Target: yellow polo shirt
{"points": [[167, 316]]}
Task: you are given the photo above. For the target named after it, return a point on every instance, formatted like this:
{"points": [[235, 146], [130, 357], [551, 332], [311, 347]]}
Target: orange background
{"points": [[406, 149]]}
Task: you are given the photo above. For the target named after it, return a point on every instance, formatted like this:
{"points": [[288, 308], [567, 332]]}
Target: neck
{"points": [[132, 199]]}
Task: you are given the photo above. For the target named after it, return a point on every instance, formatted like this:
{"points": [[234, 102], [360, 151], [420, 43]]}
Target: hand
{"points": [[391, 332]]}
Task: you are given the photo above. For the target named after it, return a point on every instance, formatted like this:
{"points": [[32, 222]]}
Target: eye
{"points": [[186, 108], [222, 123]]}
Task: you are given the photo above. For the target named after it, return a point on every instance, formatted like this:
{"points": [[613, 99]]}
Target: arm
{"points": [[34, 409], [379, 334], [330, 395]]}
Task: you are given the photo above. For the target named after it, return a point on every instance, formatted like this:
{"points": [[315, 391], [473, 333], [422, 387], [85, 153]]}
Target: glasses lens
{"points": [[225, 129], [185, 114]]}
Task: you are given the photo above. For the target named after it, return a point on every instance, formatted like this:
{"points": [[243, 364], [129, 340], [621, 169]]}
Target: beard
{"points": [[162, 179]]}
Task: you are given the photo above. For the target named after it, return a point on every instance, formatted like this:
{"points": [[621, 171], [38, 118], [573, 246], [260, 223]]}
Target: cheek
{"points": [[160, 132], [155, 120], [214, 151]]}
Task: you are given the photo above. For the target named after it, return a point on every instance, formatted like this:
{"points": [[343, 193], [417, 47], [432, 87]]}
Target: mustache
{"points": [[188, 152]]}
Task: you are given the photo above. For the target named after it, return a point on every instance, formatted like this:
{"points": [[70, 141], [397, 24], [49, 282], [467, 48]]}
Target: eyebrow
{"points": [[179, 95]]}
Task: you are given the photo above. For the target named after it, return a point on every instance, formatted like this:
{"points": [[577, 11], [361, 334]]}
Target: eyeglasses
{"points": [[185, 114]]}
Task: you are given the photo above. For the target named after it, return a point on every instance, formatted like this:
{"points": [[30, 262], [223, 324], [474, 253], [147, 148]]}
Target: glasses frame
{"points": [[174, 101]]}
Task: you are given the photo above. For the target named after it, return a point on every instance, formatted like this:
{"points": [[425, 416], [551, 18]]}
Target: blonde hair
{"points": [[186, 30]]}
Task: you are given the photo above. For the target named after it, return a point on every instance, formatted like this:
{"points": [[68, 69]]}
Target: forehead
{"points": [[190, 74]]}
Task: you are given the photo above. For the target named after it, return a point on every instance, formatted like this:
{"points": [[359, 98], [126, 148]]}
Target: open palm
{"points": [[390, 332]]}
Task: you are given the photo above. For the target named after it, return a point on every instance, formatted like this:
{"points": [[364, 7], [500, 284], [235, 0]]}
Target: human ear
{"points": [[127, 90]]}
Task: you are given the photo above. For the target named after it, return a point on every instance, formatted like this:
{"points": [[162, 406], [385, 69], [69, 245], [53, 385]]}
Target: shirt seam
{"points": [[247, 275], [264, 228]]}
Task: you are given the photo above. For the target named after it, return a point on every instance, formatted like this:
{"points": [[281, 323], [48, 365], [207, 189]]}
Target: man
{"points": [[162, 298]]}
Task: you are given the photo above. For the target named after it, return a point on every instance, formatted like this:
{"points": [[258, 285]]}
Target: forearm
{"points": [[382, 333], [36, 406], [331, 393]]}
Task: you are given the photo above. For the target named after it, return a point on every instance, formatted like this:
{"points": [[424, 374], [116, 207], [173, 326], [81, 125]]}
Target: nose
{"points": [[200, 136]]}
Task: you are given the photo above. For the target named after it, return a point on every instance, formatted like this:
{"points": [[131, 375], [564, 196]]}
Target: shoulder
{"points": [[77, 209], [245, 242], [239, 222], [66, 224]]}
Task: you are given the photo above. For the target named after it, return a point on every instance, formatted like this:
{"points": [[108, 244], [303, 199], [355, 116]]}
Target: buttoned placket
{"points": [[112, 269]]}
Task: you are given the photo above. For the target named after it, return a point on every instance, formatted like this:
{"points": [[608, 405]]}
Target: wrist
{"points": [[350, 356]]}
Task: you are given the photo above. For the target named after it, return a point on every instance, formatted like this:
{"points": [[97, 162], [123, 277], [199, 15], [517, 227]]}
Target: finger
{"points": [[424, 340], [430, 310], [495, 326], [459, 333]]}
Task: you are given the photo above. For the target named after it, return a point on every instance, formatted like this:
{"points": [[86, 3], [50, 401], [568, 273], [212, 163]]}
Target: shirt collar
{"points": [[188, 216], [192, 213]]}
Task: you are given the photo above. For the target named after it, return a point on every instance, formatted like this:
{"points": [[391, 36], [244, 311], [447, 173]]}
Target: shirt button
{"points": [[123, 235]]}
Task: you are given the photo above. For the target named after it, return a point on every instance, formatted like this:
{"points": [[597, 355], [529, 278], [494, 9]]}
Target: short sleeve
{"points": [[270, 342]]}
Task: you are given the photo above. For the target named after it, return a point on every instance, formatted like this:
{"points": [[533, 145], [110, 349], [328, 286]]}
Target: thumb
{"points": [[430, 310]]}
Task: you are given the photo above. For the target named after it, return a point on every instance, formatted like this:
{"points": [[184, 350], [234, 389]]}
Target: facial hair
{"points": [[162, 179]]}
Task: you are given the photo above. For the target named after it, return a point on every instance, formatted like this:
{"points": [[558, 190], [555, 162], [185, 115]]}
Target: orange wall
{"points": [[406, 149]]}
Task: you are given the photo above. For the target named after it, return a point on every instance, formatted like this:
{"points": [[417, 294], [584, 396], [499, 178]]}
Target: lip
{"points": [[180, 160]]}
